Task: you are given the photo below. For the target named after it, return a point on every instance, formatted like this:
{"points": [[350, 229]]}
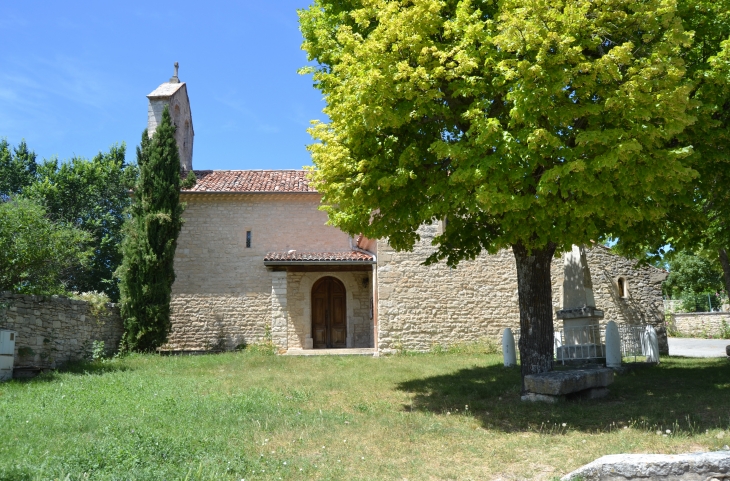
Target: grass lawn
{"points": [[254, 416]]}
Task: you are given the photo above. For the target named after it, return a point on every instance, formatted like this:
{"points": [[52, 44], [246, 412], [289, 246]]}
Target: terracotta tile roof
{"points": [[296, 256], [251, 181]]}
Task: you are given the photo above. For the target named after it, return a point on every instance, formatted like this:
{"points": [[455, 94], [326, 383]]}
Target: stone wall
{"points": [[642, 302], [54, 330], [700, 324], [419, 306], [222, 295]]}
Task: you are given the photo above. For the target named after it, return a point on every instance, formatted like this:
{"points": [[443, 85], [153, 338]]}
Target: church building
{"points": [[256, 261]]}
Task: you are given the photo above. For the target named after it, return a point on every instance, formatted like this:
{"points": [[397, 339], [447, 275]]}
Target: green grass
{"points": [[254, 416]]}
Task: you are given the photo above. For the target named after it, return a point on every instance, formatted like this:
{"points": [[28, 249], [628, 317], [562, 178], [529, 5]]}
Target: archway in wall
{"points": [[329, 314]]}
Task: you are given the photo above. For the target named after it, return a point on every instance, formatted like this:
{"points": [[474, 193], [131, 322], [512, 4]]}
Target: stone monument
{"points": [[581, 330]]}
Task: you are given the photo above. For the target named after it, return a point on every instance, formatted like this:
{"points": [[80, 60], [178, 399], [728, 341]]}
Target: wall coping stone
{"points": [[693, 314], [670, 467]]}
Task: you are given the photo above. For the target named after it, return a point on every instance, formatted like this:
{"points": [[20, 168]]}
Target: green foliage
{"points": [[708, 68], [532, 124], [190, 181], [146, 274], [98, 351], [17, 168], [724, 330], [97, 302], [92, 195], [37, 254], [692, 274]]}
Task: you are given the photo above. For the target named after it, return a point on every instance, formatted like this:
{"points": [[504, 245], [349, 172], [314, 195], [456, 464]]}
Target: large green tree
{"points": [[36, 253], [530, 125], [17, 168], [89, 194], [147, 272], [708, 65], [92, 195], [692, 273], [706, 227]]}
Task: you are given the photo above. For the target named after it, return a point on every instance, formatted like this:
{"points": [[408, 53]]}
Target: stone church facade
{"points": [[256, 261]]}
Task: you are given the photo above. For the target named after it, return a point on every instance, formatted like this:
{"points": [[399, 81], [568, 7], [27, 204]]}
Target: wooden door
{"points": [[329, 314]]}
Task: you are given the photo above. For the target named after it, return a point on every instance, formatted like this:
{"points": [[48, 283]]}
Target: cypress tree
{"points": [[147, 271]]}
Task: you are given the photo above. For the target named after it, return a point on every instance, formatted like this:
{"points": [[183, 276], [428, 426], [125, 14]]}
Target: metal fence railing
{"points": [[587, 343], [580, 343]]}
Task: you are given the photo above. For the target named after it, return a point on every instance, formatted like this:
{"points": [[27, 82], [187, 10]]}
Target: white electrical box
{"points": [[7, 354], [7, 342]]}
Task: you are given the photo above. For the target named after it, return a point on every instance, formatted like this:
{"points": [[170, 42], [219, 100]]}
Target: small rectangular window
{"points": [[248, 238]]}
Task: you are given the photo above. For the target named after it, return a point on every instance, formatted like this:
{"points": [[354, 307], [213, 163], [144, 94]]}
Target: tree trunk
{"points": [[536, 309], [725, 269]]}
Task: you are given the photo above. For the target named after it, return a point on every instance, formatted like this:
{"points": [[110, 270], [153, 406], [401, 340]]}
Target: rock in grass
{"points": [[669, 467]]}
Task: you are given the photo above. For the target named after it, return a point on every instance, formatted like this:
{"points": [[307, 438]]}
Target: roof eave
{"points": [[229, 192], [317, 263]]}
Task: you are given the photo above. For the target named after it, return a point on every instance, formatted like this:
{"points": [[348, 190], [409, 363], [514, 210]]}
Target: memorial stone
{"points": [[581, 330]]}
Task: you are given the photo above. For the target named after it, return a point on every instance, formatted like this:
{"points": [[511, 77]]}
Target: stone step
{"points": [[331, 352]]}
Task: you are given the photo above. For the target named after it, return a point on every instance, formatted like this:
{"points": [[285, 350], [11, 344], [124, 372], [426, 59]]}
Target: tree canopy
{"points": [[17, 168], [541, 123], [91, 195], [692, 273], [530, 125], [36, 253], [706, 227]]}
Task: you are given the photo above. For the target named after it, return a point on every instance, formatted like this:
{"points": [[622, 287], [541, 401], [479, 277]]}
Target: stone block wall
{"points": [[223, 295], [700, 324], [54, 330], [419, 306], [203, 322], [642, 302]]}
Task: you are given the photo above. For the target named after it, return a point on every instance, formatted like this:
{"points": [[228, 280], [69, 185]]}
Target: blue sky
{"points": [[74, 76]]}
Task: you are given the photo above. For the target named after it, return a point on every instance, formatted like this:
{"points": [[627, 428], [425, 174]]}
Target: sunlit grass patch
{"points": [[250, 415]]}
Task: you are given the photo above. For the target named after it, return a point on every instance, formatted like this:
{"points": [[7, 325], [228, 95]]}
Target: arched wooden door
{"points": [[329, 314]]}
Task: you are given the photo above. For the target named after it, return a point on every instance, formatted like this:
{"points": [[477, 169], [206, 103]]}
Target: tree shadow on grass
{"points": [[82, 368], [685, 395]]}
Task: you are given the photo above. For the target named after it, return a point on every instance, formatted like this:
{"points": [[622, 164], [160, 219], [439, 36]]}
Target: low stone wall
{"points": [[701, 324], [53, 330]]}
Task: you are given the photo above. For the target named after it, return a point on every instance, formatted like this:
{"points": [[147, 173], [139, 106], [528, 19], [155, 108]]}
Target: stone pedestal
{"points": [[581, 329], [578, 383]]}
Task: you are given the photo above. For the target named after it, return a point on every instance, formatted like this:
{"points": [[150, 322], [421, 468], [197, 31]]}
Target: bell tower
{"points": [[174, 94]]}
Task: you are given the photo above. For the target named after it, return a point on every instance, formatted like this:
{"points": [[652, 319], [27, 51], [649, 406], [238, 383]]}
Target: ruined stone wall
{"points": [[53, 330], [299, 307], [222, 295], [419, 306], [642, 302], [701, 324]]}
